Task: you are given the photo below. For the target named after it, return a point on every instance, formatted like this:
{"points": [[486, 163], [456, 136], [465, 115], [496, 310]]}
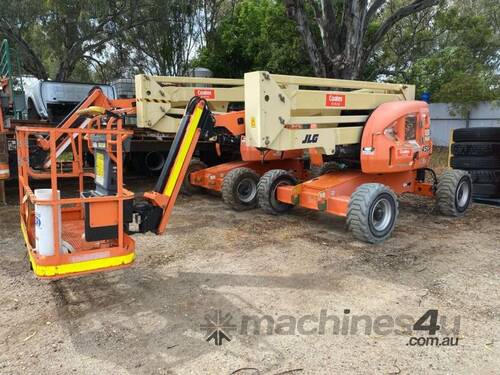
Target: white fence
{"points": [[484, 114]]}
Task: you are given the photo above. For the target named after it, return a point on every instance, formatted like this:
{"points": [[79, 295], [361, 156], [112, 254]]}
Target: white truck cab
{"points": [[52, 100]]}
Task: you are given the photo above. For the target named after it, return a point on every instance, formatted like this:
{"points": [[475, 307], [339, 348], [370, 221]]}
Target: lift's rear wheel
{"points": [[267, 188], [454, 192], [372, 212], [239, 189], [187, 188]]}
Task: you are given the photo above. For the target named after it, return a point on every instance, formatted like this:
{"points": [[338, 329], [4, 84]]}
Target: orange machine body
{"points": [[212, 178], [395, 144], [234, 122], [396, 138], [259, 161]]}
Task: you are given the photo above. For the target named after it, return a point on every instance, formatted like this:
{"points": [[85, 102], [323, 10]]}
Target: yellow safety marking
{"points": [[152, 100], [181, 156], [90, 265], [99, 164], [449, 148], [69, 268], [25, 233], [252, 122], [91, 111], [99, 168]]}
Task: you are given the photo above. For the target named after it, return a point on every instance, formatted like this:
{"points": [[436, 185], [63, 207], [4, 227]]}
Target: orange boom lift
{"points": [[92, 232], [237, 180], [159, 101]]}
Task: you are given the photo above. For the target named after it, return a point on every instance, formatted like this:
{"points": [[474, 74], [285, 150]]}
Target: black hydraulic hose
{"points": [[174, 148], [434, 177]]}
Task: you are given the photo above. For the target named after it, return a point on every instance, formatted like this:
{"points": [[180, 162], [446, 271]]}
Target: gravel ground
{"points": [[146, 319]]}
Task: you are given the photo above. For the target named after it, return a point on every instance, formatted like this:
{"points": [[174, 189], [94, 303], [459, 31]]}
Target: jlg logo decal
{"points": [[205, 93], [310, 138], [335, 100]]}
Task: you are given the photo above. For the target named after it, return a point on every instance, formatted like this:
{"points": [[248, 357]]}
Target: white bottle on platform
{"points": [[44, 223]]}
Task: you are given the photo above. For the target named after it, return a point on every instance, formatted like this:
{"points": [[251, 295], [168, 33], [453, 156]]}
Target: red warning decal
{"points": [[205, 93], [335, 100]]}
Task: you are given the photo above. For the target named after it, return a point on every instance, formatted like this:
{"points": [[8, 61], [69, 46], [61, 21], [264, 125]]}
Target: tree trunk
{"points": [[354, 18], [343, 50], [295, 9], [66, 67]]}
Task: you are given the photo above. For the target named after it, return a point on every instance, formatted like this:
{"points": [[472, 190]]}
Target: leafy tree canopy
{"points": [[450, 50], [257, 35]]}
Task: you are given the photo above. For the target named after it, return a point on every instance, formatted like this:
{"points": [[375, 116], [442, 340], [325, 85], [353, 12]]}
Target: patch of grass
{"points": [[439, 159], [66, 156]]}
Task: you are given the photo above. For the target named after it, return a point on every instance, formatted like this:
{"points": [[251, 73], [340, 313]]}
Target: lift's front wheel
{"points": [[239, 189], [267, 189], [372, 212], [454, 192], [187, 188]]}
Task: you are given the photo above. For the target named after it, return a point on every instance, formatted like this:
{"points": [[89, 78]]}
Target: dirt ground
{"points": [[147, 319]]}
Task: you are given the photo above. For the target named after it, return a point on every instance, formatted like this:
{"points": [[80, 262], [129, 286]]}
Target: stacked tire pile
{"points": [[477, 150]]}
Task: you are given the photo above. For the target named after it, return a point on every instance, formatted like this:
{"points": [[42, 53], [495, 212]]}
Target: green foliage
{"points": [[163, 45], [58, 38], [466, 89], [451, 52], [256, 36]]}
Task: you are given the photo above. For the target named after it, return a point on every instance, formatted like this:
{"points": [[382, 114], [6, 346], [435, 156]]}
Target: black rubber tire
{"points": [[486, 190], [488, 176], [363, 207], [315, 171], [187, 188], [475, 162], [486, 134], [232, 194], [448, 198], [475, 149], [266, 190]]}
